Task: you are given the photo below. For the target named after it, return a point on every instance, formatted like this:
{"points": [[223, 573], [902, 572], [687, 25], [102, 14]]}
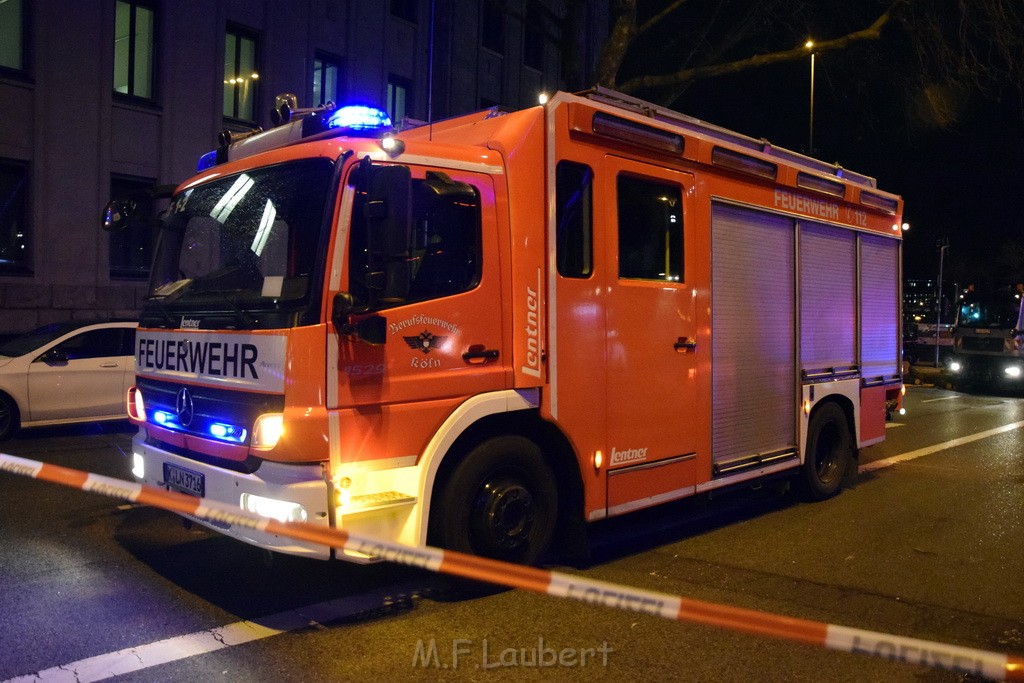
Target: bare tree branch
{"points": [[619, 41], [683, 76], [656, 19]]}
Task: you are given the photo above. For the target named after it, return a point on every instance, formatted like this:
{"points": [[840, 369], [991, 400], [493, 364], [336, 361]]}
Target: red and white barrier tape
{"points": [[963, 660]]}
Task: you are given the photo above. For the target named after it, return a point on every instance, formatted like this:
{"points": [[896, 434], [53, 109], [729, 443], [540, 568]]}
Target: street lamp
{"points": [[810, 128], [943, 246]]}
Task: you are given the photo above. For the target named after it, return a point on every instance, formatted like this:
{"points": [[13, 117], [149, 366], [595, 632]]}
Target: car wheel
{"points": [[829, 453], [8, 417]]}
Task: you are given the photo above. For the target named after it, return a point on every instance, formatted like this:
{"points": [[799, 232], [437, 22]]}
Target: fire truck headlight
{"points": [[267, 431], [281, 510], [138, 466], [1013, 372], [954, 366]]}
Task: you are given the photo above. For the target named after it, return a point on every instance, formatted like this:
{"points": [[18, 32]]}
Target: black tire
{"points": [[500, 502], [8, 416], [829, 453]]}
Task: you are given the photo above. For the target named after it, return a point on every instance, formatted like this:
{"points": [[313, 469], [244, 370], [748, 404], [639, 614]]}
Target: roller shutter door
{"points": [[753, 333], [879, 317], [828, 298]]}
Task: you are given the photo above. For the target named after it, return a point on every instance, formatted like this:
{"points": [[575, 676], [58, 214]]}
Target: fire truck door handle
{"points": [[477, 354], [685, 344]]}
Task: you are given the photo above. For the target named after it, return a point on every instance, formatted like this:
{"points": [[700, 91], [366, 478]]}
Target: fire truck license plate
{"points": [[183, 480]]}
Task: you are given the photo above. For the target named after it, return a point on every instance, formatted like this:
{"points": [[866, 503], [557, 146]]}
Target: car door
{"points": [[79, 376]]}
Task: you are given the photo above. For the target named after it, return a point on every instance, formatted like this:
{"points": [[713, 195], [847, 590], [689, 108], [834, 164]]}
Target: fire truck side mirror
{"points": [[372, 329], [388, 213], [389, 203], [118, 215]]}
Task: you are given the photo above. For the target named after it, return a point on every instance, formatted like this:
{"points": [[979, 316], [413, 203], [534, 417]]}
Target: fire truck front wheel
{"points": [[829, 453], [500, 502]]}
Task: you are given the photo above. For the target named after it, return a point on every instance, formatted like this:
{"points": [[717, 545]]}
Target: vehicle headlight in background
{"points": [[954, 366], [1013, 371]]}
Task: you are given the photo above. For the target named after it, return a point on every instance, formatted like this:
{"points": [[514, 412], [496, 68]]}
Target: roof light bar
{"points": [[359, 117], [352, 120]]}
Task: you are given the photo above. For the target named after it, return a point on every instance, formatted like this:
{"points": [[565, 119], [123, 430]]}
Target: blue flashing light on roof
{"points": [[208, 160], [358, 117]]}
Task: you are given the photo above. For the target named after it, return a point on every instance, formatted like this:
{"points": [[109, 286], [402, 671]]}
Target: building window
{"points": [[533, 38], [131, 249], [14, 229], [240, 75], [399, 98], [574, 218], [12, 32], [492, 26], [325, 80], [134, 31], [650, 230], [404, 9]]}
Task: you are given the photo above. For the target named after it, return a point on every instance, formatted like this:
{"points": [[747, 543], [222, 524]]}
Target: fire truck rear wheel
{"points": [[829, 453], [500, 502]]}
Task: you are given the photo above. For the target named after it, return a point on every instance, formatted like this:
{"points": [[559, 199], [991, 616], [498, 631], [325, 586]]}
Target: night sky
{"points": [[959, 180]]}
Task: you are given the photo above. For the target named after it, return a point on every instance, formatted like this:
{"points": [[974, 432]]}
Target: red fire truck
{"points": [[486, 331]]}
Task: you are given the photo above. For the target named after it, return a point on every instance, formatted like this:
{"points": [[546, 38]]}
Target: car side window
{"points": [[128, 341], [101, 343]]}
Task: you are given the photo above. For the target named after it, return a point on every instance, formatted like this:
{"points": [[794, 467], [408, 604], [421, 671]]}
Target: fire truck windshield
{"points": [[243, 244]]}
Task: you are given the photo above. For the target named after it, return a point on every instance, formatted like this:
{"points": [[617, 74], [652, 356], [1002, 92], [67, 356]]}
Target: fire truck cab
{"points": [[488, 330]]}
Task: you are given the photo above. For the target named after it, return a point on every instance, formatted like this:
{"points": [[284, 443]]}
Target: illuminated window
{"points": [[12, 31], [325, 80], [134, 32], [650, 230], [15, 254], [241, 75]]}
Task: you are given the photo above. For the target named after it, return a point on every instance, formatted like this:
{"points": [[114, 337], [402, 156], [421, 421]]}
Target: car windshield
{"points": [[31, 341], [243, 242], [991, 312]]}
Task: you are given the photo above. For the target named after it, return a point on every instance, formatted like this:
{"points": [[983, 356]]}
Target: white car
{"points": [[66, 372]]}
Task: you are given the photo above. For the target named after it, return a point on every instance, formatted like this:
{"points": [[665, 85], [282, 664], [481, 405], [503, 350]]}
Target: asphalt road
{"points": [[930, 547]]}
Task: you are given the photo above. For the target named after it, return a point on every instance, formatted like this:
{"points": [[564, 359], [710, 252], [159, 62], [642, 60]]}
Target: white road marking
{"points": [[944, 398], [928, 450], [129, 660]]}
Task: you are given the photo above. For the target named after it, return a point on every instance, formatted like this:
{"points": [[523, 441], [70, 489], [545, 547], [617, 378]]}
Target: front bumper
{"points": [[301, 484]]}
